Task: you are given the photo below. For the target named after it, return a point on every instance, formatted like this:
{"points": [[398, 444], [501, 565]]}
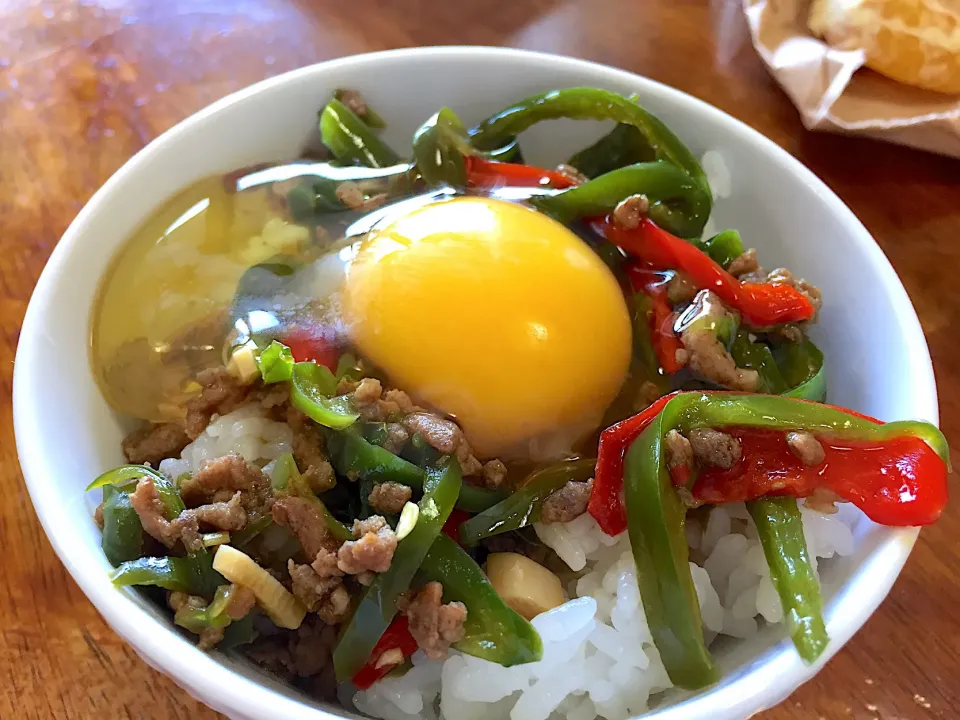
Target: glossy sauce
{"points": [[162, 311]]}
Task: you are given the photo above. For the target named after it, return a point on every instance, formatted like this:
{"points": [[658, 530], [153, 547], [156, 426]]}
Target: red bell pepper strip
{"points": [[665, 341], [892, 481], [760, 304], [895, 472], [490, 173], [451, 528], [606, 498], [313, 343], [396, 637]]}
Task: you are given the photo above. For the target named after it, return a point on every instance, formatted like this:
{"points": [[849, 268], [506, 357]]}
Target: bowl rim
{"points": [[760, 687]]}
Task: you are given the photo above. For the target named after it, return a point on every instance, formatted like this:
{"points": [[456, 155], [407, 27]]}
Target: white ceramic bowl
{"points": [[877, 358]]}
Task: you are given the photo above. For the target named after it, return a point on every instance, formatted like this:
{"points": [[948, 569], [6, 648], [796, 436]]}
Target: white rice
{"points": [[599, 659], [245, 431]]}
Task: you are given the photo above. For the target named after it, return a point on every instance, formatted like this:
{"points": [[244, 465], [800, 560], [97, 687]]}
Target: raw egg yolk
{"points": [[495, 314]]}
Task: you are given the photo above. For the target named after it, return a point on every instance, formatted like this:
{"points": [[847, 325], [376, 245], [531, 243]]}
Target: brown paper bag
{"points": [[831, 95]]}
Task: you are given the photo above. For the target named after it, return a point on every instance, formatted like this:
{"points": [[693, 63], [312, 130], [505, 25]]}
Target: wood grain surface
{"points": [[84, 85]]}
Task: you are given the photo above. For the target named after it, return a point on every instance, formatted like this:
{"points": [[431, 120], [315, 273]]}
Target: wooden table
{"points": [[85, 85]]}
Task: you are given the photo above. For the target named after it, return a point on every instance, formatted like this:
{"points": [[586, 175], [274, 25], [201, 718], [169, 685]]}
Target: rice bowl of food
{"points": [[460, 400]]}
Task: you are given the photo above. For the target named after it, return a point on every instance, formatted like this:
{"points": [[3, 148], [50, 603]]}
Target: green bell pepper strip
{"points": [[371, 117], [239, 632], [677, 201], [718, 409], [378, 605], [316, 193], [780, 528], [439, 146], [311, 388], [757, 356], [193, 574], [122, 537], [624, 145], [211, 617], [241, 538], [420, 452], [802, 366], [778, 520], [353, 456], [585, 103], [523, 507], [793, 370], [275, 363], [655, 524], [352, 140], [493, 631], [510, 152], [125, 477], [724, 247]]}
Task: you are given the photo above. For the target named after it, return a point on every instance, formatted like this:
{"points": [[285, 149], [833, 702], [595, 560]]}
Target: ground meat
{"points": [[714, 448], [389, 498], [805, 447], [346, 386], [150, 508], [354, 100], [182, 601], [220, 394], [567, 503], [311, 650], [397, 437], [98, 516], [444, 436], [305, 520], [680, 290], [744, 264], [401, 400], [823, 501], [629, 211], [647, 395], [325, 596], [708, 357], [494, 474], [146, 500], [789, 332], [154, 443], [325, 564], [375, 405], [308, 452], [229, 516], [272, 396], [302, 653], [571, 172], [368, 391], [350, 194], [711, 360], [433, 625], [371, 551], [679, 451], [220, 478], [241, 602]]}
